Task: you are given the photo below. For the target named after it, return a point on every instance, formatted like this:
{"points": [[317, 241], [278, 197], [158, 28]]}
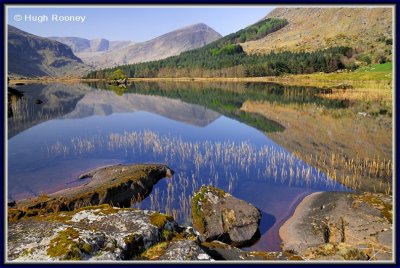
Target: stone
{"points": [[117, 185], [92, 233], [221, 251], [219, 216], [184, 250], [11, 203]]}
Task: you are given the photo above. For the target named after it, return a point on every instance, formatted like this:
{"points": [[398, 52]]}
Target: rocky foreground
{"points": [[341, 226], [109, 233], [94, 221]]}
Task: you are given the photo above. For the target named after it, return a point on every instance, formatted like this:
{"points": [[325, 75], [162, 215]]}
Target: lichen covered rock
{"points": [[92, 233], [219, 216], [184, 250]]}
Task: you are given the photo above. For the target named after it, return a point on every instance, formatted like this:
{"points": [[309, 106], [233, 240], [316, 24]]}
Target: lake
{"points": [[57, 131]]}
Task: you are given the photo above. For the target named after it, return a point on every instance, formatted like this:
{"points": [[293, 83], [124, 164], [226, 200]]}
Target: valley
{"points": [[290, 117]]}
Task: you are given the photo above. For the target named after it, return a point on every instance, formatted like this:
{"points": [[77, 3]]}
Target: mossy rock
{"points": [[219, 216], [159, 219], [65, 245], [118, 185]]}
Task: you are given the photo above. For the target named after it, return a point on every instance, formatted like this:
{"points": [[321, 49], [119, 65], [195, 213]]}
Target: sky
{"points": [[130, 23]]}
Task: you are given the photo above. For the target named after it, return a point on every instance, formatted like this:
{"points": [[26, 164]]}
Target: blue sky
{"points": [[135, 23]]}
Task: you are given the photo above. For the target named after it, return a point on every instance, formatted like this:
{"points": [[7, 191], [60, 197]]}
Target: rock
{"points": [[118, 185], [11, 203], [335, 251], [119, 82], [350, 227], [184, 250], [219, 216], [221, 251], [92, 233]]}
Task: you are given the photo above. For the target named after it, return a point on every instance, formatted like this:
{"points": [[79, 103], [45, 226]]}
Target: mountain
{"points": [[169, 44], [369, 29], [226, 57], [78, 44], [31, 55]]}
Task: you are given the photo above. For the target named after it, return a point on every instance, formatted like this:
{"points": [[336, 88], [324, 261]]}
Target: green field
{"points": [[384, 67]]}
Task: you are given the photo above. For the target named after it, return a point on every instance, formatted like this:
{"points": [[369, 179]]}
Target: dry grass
{"points": [[318, 28], [356, 150]]}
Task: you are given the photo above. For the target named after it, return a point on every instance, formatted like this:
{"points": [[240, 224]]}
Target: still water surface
{"points": [[76, 128]]}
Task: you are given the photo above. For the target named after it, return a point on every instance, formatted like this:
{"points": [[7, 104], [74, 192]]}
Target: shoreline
{"points": [[287, 231], [290, 79]]}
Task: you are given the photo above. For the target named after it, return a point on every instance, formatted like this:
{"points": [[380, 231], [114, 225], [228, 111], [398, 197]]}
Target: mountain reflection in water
{"points": [[200, 132]]}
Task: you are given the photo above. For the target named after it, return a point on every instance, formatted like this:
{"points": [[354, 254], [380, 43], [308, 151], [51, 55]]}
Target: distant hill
{"points": [[226, 57], [30, 55], [368, 29], [169, 44], [78, 44]]}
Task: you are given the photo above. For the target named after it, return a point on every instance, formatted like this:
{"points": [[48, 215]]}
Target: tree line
{"points": [[233, 62]]}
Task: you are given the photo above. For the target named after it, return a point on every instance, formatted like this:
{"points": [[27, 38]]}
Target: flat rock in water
{"points": [[118, 185], [219, 216]]}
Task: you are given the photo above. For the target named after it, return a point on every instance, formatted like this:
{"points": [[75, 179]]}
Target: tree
{"points": [[117, 75]]}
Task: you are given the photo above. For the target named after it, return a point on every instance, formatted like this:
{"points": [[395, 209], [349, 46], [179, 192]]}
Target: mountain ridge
{"points": [[79, 44], [163, 46], [32, 55]]}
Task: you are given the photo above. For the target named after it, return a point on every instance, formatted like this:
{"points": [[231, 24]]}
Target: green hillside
{"points": [[226, 58]]}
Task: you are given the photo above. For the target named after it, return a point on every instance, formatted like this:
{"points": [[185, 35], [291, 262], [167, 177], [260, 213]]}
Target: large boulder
{"points": [[218, 215], [91, 233], [117, 185]]}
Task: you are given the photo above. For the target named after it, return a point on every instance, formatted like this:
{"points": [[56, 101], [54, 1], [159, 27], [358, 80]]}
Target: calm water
{"points": [[198, 130]]}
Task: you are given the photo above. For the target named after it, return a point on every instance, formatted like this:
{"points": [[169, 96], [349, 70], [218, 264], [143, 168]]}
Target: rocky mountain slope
{"points": [[317, 28], [31, 55], [78, 44], [169, 44]]}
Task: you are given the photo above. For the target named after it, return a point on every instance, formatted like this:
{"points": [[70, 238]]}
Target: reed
{"points": [[222, 164]]}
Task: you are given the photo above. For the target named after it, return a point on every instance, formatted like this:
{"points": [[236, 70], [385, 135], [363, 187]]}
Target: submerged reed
{"points": [[223, 164]]}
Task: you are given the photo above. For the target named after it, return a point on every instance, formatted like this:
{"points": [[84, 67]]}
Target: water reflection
{"points": [[33, 104], [199, 132]]}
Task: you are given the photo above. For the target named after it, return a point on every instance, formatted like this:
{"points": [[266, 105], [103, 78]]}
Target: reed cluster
{"points": [[224, 164]]}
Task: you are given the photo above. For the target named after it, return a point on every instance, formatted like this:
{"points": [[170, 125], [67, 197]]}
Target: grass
{"points": [[374, 68], [378, 75]]}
